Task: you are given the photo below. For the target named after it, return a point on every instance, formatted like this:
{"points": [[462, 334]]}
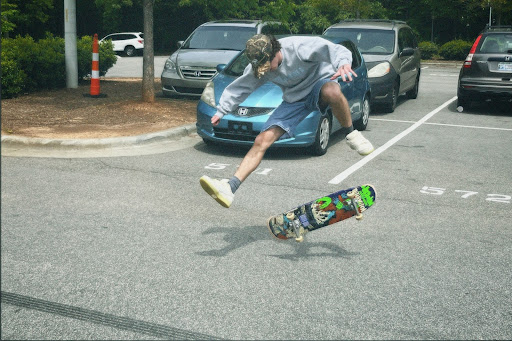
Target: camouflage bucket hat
{"points": [[258, 50]]}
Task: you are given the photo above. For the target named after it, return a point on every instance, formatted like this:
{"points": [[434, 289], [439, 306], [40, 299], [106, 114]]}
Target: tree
{"points": [[111, 12], [148, 62], [499, 7], [9, 11], [26, 17]]}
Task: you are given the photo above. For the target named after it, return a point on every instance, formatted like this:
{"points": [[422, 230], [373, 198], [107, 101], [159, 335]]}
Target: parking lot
{"points": [[130, 247]]}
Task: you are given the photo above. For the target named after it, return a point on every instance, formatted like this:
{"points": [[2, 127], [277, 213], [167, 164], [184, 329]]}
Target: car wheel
{"points": [[322, 136], [463, 102], [362, 123], [391, 105], [413, 93], [130, 51]]}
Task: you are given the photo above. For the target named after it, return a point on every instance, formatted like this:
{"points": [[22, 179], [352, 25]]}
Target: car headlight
{"points": [[170, 66], [208, 95], [379, 70]]}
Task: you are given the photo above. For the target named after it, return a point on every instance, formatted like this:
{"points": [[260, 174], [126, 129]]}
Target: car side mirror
{"points": [[180, 43], [221, 67], [408, 51]]}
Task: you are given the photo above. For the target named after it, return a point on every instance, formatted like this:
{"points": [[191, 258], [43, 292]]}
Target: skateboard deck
{"points": [[322, 212]]}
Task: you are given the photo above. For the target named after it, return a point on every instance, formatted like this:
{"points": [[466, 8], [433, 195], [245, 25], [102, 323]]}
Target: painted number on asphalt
{"points": [[220, 166], [501, 198]]}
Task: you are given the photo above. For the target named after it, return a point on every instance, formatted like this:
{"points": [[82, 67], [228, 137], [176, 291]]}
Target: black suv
{"points": [[487, 70], [391, 53]]}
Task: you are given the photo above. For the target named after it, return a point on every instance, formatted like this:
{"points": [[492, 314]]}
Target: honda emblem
{"points": [[243, 111], [197, 73]]}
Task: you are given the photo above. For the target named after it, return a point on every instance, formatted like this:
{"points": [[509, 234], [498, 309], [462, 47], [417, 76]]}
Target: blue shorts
{"points": [[288, 115]]}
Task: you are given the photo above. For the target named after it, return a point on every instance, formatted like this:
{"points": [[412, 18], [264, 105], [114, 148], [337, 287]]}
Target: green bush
{"points": [[50, 64], [84, 53], [13, 78], [428, 49], [21, 51], [455, 50], [28, 65]]}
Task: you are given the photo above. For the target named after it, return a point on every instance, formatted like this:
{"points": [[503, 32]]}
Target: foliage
{"points": [[84, 54], [111, 10], [8, 12], [28, 65], [25, 17], [428, 49], [455, 49], [13, 78]]}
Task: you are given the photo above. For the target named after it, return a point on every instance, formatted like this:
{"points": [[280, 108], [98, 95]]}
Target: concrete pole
{"points": [[70, 43]]}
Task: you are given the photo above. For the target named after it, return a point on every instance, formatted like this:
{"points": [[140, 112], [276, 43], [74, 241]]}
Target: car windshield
{"points": [[220, 38], [369, 41], [237, 66], [496, 43]]}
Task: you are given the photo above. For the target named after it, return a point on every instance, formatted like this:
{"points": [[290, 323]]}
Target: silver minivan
{"points": [[187, 70]]}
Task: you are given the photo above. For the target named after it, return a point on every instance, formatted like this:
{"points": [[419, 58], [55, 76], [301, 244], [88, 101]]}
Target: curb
{"points": [[100, 143]]}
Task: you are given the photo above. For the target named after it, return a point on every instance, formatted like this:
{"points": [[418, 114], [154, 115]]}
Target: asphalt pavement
{"points": [[132, 248]]}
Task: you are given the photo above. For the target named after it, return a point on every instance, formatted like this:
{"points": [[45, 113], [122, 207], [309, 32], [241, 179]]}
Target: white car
{"points": [[130, 43]]}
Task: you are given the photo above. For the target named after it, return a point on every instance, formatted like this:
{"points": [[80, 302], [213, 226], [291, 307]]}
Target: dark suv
{"points": [[391, 53], [487, 70]]}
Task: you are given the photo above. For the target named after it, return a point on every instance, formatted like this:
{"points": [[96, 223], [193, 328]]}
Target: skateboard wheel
{"points": [[299, 239], [359, 216], [351, 194], [290, 216]]}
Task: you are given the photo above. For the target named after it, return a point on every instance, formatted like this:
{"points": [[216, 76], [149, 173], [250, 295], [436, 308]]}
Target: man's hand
{"points": [[345, 72], [215, 120]]}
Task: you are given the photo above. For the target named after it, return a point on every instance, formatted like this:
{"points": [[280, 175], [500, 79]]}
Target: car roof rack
{"points": [[498, 27], [375, 20]]}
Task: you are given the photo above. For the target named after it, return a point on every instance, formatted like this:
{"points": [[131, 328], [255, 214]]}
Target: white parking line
{"points": [[342, 176], [443, 124]]}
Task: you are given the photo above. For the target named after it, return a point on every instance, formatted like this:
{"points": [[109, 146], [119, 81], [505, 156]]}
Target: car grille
{"points": [[252, 111], [195, 72]]}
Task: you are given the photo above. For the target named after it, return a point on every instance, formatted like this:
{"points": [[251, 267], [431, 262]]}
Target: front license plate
{"points": [[505, 66], [240, 128]]}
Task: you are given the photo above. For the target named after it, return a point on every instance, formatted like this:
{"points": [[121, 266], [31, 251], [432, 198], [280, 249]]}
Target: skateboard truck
{"points": [[295, 225], [352, 196]]}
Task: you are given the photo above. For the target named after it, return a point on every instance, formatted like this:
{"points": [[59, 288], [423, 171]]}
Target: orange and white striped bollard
{"points": [[95, 74]]}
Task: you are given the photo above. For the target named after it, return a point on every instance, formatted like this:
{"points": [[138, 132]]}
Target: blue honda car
{"points": [[242, 127]]}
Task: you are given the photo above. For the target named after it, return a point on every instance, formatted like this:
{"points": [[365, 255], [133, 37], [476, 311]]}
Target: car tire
{"points": [[391, 105], [464, 103], [463, 99], [362, 123], [413, 93], [130, 51], [322, 136]]}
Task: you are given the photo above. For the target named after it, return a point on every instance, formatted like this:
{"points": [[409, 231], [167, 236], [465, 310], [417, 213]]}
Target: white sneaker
{"points": [[358, 142], [218, 190]]}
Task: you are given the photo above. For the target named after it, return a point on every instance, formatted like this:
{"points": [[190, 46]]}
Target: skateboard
{"points": [[322, 212]]}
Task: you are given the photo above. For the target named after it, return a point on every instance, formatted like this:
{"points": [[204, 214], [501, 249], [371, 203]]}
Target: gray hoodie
{"points": [[306, 60]]}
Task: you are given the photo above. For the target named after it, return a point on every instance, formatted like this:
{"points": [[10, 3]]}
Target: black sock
{"points": [[348, 130], [234, 182]]}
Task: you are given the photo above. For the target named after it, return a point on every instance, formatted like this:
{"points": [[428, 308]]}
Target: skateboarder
{"points": [[306, 69]]}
